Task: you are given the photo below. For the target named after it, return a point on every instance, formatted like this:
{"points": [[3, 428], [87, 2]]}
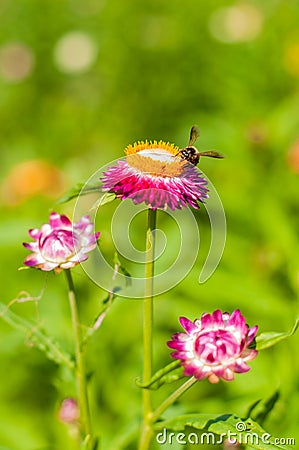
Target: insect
{"points": [[191, 154]]}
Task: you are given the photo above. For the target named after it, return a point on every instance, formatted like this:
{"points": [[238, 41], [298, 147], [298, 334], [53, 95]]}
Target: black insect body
{"points": [[191, 154]]}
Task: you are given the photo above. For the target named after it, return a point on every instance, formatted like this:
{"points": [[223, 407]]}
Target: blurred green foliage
{"points": [[156, 68]]}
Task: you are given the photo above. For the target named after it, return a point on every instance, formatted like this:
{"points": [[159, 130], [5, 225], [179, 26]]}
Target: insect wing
{"points": [[211, 154], [194, 134]]}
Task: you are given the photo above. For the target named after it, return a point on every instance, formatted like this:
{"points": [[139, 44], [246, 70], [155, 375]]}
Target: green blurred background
{"points": [[80, 80]]}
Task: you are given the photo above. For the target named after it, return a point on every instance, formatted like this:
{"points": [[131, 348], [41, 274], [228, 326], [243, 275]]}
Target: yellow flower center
{"points": [[155, 158]]}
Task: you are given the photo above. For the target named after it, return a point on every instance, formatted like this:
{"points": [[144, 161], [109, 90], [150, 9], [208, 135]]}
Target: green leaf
{"points": [[266, 340], [109, 299], [118, 267], [216, 428], [261, 409], [170, 373], [103, 200], [37, 337], [82, 189]]}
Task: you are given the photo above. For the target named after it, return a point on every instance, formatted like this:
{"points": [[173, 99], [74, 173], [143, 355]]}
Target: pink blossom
{"points": [[215, 346], [153, 173], [60, 244]]}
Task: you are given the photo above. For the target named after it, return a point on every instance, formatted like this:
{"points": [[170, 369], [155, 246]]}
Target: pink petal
{"points": [[57, 221], [35, 233], [251, 334], [187, 325]]}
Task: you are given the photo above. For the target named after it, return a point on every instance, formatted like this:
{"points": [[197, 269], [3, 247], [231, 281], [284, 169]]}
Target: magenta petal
{"points": [[237, 321], [83, 223], [207, 321], [241, 366], [31, 262], [57, 221], [155, 191], [217, 318], [187, 324], [251, 334], [178, 345], [34, 233], [33, 246]]}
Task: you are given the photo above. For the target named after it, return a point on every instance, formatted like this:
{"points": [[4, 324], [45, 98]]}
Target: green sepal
{"points": [[266, 340], [37, 337]]}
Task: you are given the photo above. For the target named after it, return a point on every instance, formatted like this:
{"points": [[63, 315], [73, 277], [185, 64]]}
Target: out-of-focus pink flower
{"points": [[215, 346], [61, 244], [152, 173], [69, 411]]}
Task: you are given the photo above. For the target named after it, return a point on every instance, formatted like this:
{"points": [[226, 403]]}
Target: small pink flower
{"points": [[69, 411], [61, 244], [152, 173], [215, 346]]}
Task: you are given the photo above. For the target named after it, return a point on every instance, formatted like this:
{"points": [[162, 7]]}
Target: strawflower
{"points": [[215, 346], [61, 244], [153, 173]]}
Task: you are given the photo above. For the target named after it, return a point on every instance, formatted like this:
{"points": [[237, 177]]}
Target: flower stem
{"points": [[146, 431], [85, 424], [172, 398]]}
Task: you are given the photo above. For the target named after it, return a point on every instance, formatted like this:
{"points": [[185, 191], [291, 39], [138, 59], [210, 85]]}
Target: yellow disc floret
{"points": [[147, 145], [155, 158]]}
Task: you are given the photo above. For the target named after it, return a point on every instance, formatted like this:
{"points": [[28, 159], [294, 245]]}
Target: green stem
{"points": [[146, 431], [85, 424], [172, 398]]}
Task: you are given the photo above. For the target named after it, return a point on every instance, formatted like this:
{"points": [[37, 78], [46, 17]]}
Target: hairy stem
{"points": [[146, 431], [85, 424]]}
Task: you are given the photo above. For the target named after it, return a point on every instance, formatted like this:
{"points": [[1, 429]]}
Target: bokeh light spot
{"points": [[239, 23], [291, 59], [293, 157], [16, 62], [75, 52], [30, 178]]}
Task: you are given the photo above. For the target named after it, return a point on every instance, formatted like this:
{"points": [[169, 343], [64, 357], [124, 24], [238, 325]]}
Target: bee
{"points": [[191, 154]]}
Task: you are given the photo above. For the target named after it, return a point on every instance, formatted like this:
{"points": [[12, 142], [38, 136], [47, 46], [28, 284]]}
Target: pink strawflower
{"points": [[153, 173], [215, 346], [69, 411], [61, 244]]}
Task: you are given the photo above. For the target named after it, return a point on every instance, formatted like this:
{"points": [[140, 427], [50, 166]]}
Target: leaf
{"points": [[170, 373], [266, 340], [106, 198], [261, 409], [118, 267], [109, 299], [83, 189], [216, 428], [37, 337]]}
